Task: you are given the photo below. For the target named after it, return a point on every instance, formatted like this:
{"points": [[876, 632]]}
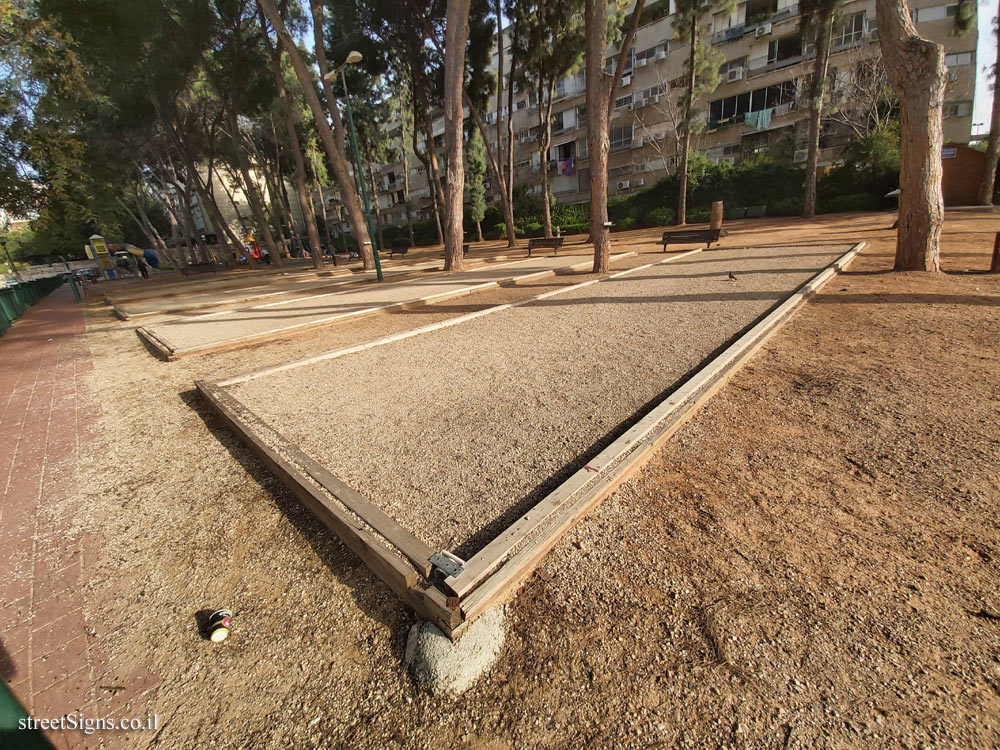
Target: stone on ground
{"points": [[444, 667]]}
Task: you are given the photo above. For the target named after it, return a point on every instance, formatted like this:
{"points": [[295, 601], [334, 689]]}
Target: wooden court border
{"points": [[493, 574]]}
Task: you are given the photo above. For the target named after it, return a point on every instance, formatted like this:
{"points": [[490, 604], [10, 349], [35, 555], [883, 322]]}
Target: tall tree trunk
{"points": [[623, 54], [434, 171], [331, 138], [817, 91], [496, 167], [509, 166], [686, 138], [326, 220], [598, 141], [250, 190], [208, 202], [232, 179], [497, 161], [456, 35], [290, 114], [426, 160], [987, 186], [279, 172], [352, 200], [545, 125], [374, 188], [273, 210], [406, 192], [917, 72]]}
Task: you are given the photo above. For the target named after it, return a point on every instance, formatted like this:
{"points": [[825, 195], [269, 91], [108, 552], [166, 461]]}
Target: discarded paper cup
{"points": [[218, 625]]}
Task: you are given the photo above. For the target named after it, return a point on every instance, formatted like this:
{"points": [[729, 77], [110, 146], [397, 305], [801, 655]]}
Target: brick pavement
{"points": [[46, 654]]}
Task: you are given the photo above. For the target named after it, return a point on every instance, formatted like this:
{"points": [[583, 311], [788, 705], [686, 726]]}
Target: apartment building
{"points": [[761, 100]]}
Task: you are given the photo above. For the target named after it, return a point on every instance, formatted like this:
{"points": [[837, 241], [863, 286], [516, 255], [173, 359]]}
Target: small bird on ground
{"points": [[731, 277]]}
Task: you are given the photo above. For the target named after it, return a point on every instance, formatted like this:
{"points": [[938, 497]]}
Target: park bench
{"points": [[399, 247], [195, 268], [554, 242], [685, 236]]}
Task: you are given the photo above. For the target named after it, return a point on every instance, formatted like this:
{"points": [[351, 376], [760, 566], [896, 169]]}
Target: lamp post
{"points": [[355, 57]]}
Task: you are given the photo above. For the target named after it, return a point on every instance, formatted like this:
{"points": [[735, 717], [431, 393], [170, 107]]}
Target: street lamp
{"points": [[354, 57]]}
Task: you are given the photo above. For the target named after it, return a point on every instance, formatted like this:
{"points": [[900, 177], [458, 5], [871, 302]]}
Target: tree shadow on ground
{"points": [[367, 590]]}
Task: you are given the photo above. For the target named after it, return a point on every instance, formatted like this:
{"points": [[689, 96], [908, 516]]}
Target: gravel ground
{"points": [[223, 327], [277, 289], [810, 562], [534, 389]]}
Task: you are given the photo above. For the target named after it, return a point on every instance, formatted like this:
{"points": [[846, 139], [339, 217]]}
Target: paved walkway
{"points": [[229, 327], [46, 654]]}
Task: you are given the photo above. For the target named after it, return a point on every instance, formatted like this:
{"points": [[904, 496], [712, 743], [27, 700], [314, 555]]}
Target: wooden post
{"points": [[716, 215], [995, 264]]}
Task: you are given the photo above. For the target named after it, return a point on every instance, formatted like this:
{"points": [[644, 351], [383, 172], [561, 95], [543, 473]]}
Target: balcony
{"points": [[729, 35]]}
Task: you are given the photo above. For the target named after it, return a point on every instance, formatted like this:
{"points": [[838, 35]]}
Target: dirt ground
{"points": [[812, 561]]}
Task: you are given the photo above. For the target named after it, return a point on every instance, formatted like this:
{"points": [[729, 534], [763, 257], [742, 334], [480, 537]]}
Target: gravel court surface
{"points": [[457, 432], [288, 286], [220, 327]]}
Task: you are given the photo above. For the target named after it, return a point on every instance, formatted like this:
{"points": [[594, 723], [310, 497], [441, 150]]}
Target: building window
{"points": [[958, 59], [621, 137], [935, 13], [957, 109], [851, 31], [623, 101], [722, 110]]}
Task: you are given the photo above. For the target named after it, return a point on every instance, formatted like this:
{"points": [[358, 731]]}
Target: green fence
{"points": [[14, 300]]}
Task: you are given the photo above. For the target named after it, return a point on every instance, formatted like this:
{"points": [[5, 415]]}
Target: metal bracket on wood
{"points": [[447, 563]]}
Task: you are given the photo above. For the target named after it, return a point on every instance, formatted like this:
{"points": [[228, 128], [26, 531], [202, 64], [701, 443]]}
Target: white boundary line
{"points": [[335, 353]]}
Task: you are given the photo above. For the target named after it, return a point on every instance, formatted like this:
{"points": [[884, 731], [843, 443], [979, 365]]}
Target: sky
{"points": [[985, 57]]}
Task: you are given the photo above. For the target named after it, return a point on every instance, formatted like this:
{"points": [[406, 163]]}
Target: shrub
{"points": [[786, 207], [699, 214], [583, 228], [662, 216], [855, 202], [624, 224]]}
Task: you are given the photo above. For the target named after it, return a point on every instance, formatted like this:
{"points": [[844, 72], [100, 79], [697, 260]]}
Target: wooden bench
{"points": [[195, 268], [554, 242], [685, 236], [399, 247]]}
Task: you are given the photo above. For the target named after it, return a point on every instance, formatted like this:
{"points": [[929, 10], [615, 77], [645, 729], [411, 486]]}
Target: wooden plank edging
{"points": [[398, 574], [657, 427], [174, 352]]}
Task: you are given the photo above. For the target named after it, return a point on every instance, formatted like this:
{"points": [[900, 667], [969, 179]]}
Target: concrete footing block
{"points": [[444, 667]]}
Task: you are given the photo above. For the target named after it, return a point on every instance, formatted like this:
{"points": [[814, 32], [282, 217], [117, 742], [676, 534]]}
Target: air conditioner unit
{"points": [[623, 185], [639, 183], [661, 54], [654, 99], [800, 155], [763, 30], [734, 74], [641, 63], [637, 143], [626, 81]]}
